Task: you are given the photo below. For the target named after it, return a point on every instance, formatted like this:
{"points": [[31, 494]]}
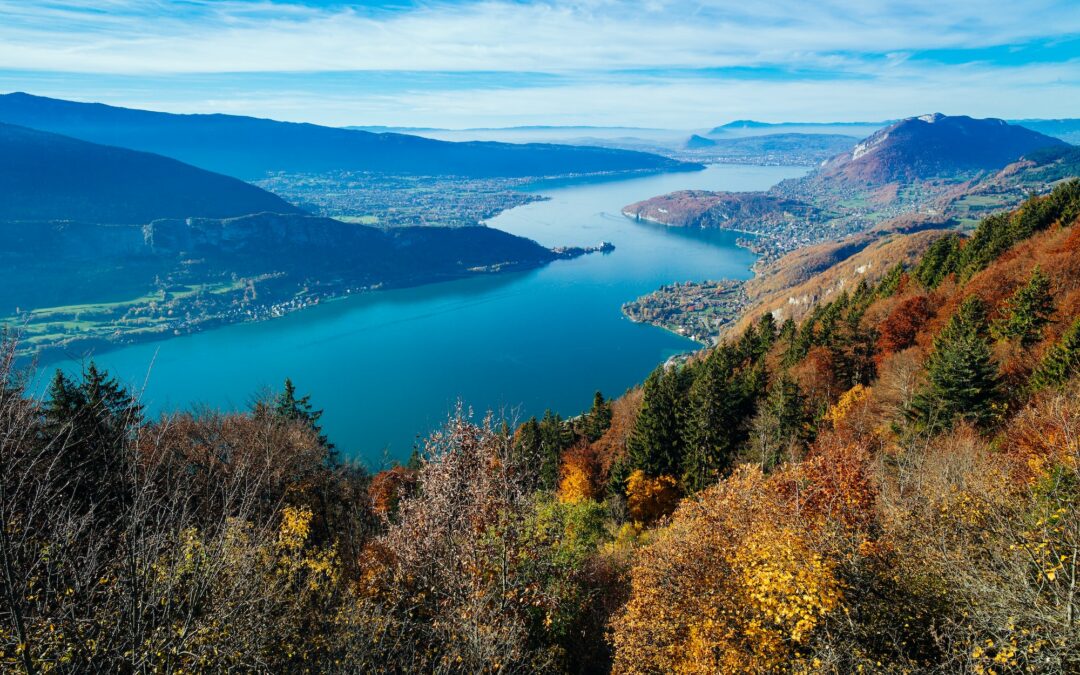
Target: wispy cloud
{"points": [[785, 58]]}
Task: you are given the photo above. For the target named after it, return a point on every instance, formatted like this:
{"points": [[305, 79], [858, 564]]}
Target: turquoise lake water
{"points": [[389, 367]]}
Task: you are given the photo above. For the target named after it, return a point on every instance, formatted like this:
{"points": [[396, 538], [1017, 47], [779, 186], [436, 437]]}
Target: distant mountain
{"points": [[696, 142], [754, 128], [249, 148], [1067, 130], [819, 146], [45, 176], [934, 146]]}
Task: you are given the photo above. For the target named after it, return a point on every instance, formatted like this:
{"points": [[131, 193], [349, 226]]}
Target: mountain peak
{"points": [[935, 145]]}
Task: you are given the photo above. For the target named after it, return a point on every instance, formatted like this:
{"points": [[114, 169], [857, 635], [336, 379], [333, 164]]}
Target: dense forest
{"points": [[891, 485]]}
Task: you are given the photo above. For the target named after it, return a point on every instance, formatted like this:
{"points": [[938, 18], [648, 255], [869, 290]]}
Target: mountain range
{"points": [[924, 164], [249, 148], [45, 176]]}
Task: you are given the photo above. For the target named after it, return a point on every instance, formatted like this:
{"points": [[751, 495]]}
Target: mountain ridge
{"points": [[47, 176], [250, 148]]}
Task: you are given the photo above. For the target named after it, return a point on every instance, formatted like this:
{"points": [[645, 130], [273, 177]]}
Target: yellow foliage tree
{"points": [[650, 498], [732, 585], [576, 484], [849, 401]]}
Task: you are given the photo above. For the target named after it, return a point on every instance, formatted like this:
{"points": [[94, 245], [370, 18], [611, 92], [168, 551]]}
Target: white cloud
{"points": [[144, 36], [584, 61]]}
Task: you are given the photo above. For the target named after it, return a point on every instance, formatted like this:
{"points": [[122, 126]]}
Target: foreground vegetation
{"points": [[890, 486]]}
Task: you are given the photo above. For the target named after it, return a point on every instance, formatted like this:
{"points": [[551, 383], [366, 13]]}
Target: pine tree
{"points": [[1062, 361], [962, 377], [553, 440], [712, 427], [527, 444], [940, 260], [890, 283], [1027, 311], [91, 421], [655, 444], [290, 408], [779, 424], [598, 419]]}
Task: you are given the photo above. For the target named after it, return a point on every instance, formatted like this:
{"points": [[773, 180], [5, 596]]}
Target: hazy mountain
{"points": [[45, 176], [932, 146], [1066, 129], [740, 128], [820, 146], [249, 148]]}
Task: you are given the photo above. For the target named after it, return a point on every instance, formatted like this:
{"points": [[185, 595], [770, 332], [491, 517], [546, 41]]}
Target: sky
{"points": [[656, 63]]}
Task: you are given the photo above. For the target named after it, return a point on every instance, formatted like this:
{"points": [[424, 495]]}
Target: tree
{"points": [[939, 261], [890, 283], [1027, 311], [287, 407], [779, 424], [962, 377], [713, 428], [554, 438], [656, 444], [899, 330], [598, 419], [91, 420], [1061, 362]]}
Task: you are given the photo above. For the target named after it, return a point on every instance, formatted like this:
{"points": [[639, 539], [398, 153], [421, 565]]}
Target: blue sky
{"points": [[656, 63]]}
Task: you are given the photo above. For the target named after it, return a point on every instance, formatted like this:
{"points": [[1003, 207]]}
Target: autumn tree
{"points": [[900, 328]]}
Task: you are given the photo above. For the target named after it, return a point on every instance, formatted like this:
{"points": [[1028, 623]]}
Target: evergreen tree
{"points": [[1027, 311], [780, 423], [713, 428], [765, 335], [527, 443], [939, 261], [553, 440], [655, 444], [890, 283], [962, 377], [599, 418], [1061, 362], [90, 422], [288, 407]]}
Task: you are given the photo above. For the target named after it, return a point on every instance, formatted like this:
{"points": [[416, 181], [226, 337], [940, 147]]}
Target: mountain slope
{"points": [[249, 148], [44, 176], [933, 146]]}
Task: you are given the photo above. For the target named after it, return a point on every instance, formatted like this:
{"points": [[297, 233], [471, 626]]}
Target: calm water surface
{"points": [[388, 367]]}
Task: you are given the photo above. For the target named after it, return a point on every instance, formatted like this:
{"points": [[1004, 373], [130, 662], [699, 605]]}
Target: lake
{"points": [[388, 367]]}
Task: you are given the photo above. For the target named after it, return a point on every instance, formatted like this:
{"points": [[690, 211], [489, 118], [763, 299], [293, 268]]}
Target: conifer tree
{"points": [[1062, 361], [940, 260], [655, 444], [962, 379], [290, 408], [598, 419], [91, 421], [1027, 311], [779, 424], [890, 283], [712, 426], [553, 440]]}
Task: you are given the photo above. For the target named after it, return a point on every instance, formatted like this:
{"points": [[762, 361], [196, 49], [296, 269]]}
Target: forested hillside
{"points": [[889, 485]]}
